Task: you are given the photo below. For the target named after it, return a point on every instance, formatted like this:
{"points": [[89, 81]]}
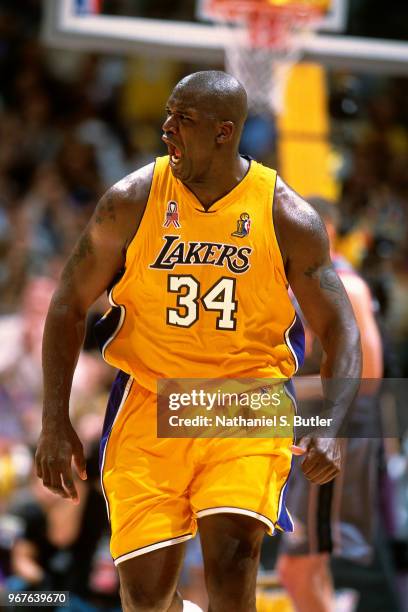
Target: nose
{"points": [[169, 125]]}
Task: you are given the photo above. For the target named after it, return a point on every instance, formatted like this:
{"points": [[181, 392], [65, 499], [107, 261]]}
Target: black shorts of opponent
{"points": [[341, 516]]}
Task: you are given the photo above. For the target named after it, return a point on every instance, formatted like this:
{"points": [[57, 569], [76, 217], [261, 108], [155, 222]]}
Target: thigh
{"points": [[145, 479], [150, 580], [231, 549], [235, 478]]}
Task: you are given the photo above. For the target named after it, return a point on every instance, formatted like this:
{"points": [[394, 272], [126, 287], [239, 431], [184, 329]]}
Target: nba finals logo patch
{"points": [[243, 225], [172, 215]]}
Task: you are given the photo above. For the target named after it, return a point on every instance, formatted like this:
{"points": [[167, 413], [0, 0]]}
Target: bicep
{"points": [[319, 291], [96, 259], [101, 250], [305, 249]]}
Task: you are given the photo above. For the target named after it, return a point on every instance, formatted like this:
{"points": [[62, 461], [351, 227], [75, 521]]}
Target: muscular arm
{"points": [[98, 256], [321, 295]]}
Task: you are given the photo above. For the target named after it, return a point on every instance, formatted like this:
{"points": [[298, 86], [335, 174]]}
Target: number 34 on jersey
{"points": [[219, 298]]}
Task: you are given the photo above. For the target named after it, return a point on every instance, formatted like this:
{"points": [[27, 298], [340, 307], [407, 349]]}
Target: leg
{"points": [[148, 583], [308, 581], [231, 546]]}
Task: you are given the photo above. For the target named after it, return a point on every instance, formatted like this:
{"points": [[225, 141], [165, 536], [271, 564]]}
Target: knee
{"points": [[239, 560], [135, 598], [231, 579]]}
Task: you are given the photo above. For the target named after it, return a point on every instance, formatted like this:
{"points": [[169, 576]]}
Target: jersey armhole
{"points": [[130, 256], [158, 163]]}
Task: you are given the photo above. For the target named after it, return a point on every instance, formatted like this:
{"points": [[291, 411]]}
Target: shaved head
{"points": [[216, 92]]}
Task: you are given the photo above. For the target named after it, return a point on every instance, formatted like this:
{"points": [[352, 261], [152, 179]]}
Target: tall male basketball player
{"points": [[206, 242]]}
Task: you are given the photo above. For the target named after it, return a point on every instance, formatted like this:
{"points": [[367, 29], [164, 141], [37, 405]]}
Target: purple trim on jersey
{"points": [[284, 521], [297, 340], [289, 385], [115, 398]]}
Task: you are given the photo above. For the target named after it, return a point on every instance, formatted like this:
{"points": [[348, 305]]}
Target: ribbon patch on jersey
{"points": [[172, 215], [243, 225]]}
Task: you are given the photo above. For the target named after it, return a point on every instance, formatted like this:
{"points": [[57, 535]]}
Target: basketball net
{"points": [[262, 41]]}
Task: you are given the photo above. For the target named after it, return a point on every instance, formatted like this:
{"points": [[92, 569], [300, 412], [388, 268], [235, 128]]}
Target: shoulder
{"points": [[297, 224], [134, 187], [122, 206]]}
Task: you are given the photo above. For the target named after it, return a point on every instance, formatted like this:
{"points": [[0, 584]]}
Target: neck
{"points": [[219, 181]]}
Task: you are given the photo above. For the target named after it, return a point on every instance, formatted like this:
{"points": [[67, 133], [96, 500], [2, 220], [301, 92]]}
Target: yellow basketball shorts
{"points": [[156, 489]]}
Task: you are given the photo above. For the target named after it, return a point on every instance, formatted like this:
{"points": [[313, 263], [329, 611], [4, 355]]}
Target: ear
{"points": [[225, 132]]}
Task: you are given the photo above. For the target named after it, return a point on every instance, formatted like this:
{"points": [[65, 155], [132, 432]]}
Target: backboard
{"points": [[75, 24]]}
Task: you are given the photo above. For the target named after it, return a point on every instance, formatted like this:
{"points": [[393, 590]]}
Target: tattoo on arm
{"points": [[81, 251], [311, 271], [330, 281], [327, 277], [106, 209]]}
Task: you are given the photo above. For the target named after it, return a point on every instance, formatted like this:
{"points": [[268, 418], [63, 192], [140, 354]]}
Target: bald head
{"points": [[217, 93]]}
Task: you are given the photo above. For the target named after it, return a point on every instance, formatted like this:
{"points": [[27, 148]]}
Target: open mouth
{"points": [[174, 152]]}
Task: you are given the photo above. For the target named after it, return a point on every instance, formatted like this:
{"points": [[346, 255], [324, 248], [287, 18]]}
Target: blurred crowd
{"points": [[71, 124], [369, 121]]}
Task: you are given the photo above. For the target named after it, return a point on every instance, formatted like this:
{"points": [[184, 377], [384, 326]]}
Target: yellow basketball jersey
{"points": [[204, 294]]}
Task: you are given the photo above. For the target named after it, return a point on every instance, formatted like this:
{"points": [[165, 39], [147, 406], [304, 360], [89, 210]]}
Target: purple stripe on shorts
{"points": [[115, 398]]}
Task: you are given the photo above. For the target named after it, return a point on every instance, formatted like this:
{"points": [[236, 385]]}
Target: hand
{"points": [[322, 458], [53, 458]]}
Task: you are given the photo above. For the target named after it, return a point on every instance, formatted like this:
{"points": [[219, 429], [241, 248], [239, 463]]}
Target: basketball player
{"points": [[200, 295], [338, 517]]}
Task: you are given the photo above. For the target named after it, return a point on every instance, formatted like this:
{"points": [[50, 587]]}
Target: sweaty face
{"points": [[189, 132]]}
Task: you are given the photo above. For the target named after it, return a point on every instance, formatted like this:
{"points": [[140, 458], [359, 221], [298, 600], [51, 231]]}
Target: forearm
{"points": [[340, 371], [63, 337], [342, 352]]}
